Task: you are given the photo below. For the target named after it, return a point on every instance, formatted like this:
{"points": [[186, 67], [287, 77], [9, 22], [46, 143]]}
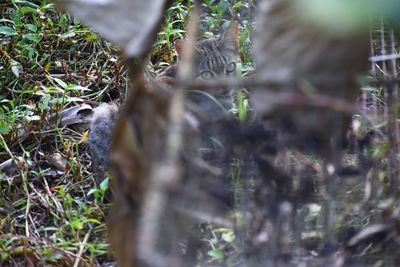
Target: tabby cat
{"points": [[214, 59]]}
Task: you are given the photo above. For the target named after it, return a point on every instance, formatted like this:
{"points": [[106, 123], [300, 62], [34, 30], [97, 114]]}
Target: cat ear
{"points": [[230, 36], [178, 47]]}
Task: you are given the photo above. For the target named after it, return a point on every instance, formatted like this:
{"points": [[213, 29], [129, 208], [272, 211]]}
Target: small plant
{"points": [[162, 53], [100, 193], [50, 62], [222, 244]]}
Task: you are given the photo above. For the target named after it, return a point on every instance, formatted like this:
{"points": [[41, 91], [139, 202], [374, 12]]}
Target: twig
{"points": [[81, 247], [384, 58]]}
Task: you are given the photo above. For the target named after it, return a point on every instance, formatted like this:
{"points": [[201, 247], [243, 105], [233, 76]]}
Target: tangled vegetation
{"points": [[54, 71], [52, 212]]}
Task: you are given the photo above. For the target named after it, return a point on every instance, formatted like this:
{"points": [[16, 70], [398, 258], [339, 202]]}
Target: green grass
{"points": [[51, 62]]}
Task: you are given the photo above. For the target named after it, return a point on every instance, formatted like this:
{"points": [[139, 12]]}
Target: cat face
{"points": [[218, 57]]}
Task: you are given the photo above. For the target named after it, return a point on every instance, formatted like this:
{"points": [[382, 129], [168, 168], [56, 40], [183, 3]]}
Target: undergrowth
{"points": [[52, 67], [52, 212]]}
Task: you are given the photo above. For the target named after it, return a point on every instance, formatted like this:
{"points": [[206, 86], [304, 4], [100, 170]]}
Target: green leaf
{"points": [[91, 191], [239, 70], [7, 31], [76, 224], [44, 102], [174, 31], [47, 67], [246, 106], [25, 10], [4, 256], [95, 192], [62, 191], [31, 52], [69, 199], [77, 87], [94, 221], [90, 37], [221, 7], [56, 101], [81, 203], [63, 22], [67, 35], [228, 237], [241, 106], [26, 3], [31, 37], [7, 20], [48, 6], [104, 184], [238, 4], [17, 18], [60, 82], [10, 241], [4, 127], [216, 254], [31, 27], [51, 23]]}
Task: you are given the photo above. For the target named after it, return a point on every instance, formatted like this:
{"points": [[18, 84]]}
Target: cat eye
{"points": [[231, 67], [206, 75]]}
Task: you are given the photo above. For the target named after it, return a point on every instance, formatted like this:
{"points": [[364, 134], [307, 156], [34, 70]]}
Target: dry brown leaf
{"points": [[371, 231], [57, 161], [76, 115], [8, 164]]}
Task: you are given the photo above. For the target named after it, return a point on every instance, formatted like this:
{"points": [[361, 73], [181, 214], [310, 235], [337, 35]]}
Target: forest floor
{"points": [[54, 71]]}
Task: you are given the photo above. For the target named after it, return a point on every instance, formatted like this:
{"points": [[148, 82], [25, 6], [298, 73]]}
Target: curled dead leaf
{"points": [[57, 161]]}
